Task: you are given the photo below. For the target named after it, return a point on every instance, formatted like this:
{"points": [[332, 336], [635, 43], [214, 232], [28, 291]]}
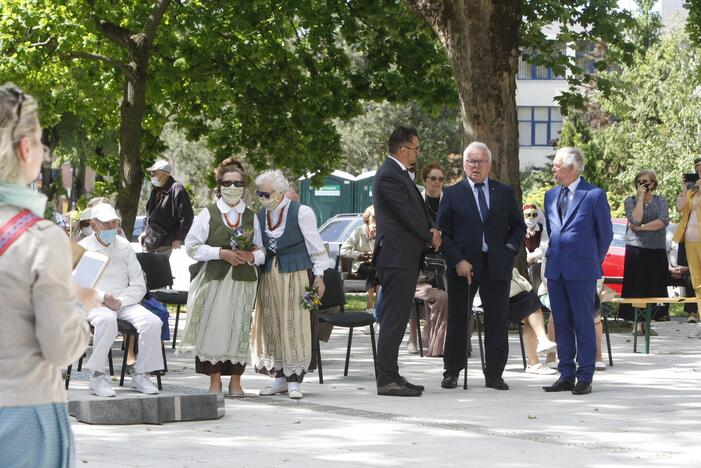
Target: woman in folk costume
{"points": [[282, 338], [226, 238]]}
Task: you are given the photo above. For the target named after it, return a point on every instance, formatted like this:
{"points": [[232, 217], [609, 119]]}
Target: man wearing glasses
{"points": [[404, 232], [169, 211], [482, 230]]}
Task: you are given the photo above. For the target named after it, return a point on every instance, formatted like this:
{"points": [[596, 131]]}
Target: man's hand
{"points": [[464, 269], [112, 302], [141, 237], [176, 244], [319, 285], [436, 242]]}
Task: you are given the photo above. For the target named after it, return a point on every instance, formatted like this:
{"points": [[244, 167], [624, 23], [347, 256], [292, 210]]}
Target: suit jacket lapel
{"points": [[492, 201], [471, 200], [552, 214], [576, 200]]}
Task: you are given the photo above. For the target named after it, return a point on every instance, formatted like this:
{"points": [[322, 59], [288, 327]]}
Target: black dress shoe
{"points": [[450, 381], [406, 383], [560, 386], [497, 384], [396, 389], [582, 388]]}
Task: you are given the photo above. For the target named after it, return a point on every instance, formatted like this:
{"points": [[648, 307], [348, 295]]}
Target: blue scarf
{"points": [[24, 197]]}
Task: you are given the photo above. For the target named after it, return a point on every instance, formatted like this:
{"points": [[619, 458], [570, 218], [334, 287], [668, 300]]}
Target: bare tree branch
{"points": [[154, 20], [103, 58]]}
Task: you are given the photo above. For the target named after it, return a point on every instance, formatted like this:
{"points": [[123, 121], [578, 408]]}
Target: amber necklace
{"points": [[269, 221], [228, 222]]}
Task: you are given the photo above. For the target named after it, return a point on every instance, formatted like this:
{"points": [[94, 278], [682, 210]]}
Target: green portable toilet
{"points": [[334, 196], [363, 191]]}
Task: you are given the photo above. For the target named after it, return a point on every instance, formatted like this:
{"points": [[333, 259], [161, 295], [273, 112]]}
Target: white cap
{"points": [[104, 212], [85, 215], [161, 165]]}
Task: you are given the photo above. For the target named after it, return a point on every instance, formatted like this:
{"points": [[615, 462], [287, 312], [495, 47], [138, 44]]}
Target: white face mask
{"points": [[155, 182], [531, 222], [231, 195]]}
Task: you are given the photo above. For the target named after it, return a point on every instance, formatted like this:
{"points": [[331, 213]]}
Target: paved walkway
{"points": [[644, 411]]}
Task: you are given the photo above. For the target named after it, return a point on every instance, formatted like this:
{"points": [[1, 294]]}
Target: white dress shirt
{"points": [[196, 240], [122, 277], [475, 192], [307, 224]]}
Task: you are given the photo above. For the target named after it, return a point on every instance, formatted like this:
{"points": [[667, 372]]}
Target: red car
{"points": [[615, 257]]}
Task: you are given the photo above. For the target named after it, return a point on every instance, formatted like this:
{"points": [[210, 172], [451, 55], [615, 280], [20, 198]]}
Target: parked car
{"points": [[615, 257], [337, 229], [138, 227]]}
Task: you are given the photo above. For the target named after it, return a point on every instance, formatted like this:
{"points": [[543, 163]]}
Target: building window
{"points": [[538, 126], [530, 71]]}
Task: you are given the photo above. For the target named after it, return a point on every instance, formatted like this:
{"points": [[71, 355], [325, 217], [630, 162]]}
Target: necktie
{"points": [[482, 200], [563, 203]]}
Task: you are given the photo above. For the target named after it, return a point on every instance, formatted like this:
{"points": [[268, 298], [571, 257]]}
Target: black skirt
{"points": [[522, 305], [221, 367], [645, 274]]}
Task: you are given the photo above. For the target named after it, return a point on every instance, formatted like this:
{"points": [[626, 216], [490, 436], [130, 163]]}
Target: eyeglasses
{"points": [[415, 150], [532, 214], [229, 183], [263, 194], [435, 178], [476, 162]]}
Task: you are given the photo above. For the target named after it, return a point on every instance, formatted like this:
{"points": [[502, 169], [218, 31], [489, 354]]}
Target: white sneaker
{"points": [[100, 386], [600, 365], [412, 348], [546, 346], [143, 384], [294, 391], [540, 369], [274, 389]]}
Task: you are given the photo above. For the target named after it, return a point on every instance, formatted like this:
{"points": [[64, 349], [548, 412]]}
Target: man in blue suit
{"points": [[483, 229], [578, 220]]}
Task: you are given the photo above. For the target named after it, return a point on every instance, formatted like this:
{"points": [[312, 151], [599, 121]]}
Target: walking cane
{"points": [[467, 341]]}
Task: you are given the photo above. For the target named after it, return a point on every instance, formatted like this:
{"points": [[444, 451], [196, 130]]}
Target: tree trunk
{"points": [[131, 176], [480, 38]]}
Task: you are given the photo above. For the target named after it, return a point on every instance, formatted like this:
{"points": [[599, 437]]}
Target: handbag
{"points": [[153, 238]]}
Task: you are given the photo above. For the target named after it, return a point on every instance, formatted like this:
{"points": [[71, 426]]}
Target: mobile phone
{"points": [[691, 177]]}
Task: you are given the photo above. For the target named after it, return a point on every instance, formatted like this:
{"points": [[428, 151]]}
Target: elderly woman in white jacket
{"points": [[359, 246]]}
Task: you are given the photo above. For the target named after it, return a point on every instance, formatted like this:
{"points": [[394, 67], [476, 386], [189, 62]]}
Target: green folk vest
{"points": [[220, 236]]}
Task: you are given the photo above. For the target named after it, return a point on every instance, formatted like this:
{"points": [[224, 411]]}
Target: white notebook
{"points": [[90, 268]]}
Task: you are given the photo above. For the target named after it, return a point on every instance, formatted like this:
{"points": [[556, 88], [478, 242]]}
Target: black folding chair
{"points": [[159, 282], [335, 297], [129, 332]]}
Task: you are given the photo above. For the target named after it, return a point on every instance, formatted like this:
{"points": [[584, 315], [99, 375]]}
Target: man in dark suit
{"points": [[404, 232], [482, 229], [578, 219]]}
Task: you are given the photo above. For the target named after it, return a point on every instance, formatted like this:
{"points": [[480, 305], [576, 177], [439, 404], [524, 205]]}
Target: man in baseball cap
{"points": [[169, 211], [120, 290]]}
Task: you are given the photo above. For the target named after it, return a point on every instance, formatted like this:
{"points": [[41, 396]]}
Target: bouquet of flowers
{"points": [[311, 300], [242, 239]]}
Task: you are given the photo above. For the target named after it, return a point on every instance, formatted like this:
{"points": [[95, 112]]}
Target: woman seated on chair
{"points": [[359, 246], [436, 302], [282, 333], [226, 239], [525, 308]]}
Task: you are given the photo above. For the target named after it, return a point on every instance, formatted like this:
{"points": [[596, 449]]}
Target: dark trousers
{"points": [[573, 310], [495, 302], [398, 287]]}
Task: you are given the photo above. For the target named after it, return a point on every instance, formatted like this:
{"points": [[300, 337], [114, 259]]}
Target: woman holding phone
{"points": [[43, 330], [645, 266]]}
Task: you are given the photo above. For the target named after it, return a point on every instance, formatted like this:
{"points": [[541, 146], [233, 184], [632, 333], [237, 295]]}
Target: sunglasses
{"points": [[642, 182], [263, 194], [435, 178], [530, 215], [229, 183]]}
